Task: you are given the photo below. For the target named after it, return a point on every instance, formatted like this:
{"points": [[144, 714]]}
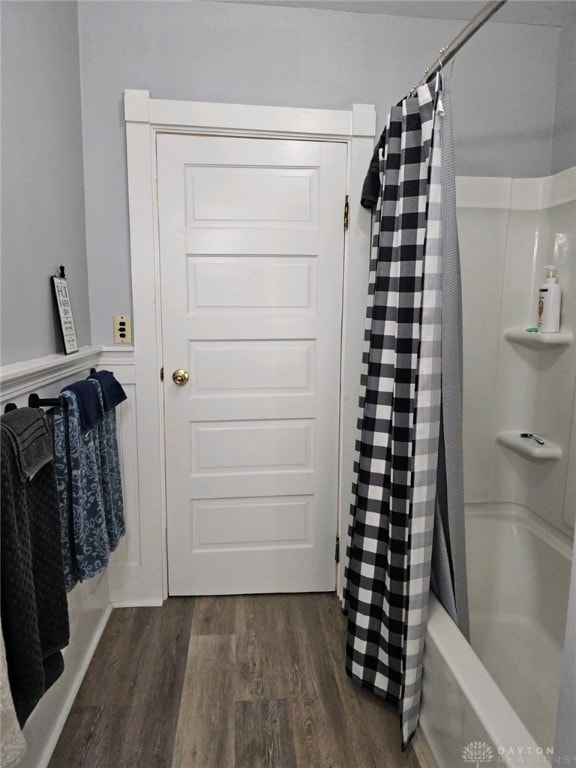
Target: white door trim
{"points": [[145, 118]]}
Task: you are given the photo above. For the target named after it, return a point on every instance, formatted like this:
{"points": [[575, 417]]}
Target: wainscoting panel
{"points": [[127, 571]]}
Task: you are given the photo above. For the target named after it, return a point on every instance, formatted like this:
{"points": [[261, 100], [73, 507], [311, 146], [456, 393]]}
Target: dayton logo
{"points": [[477, 752]]}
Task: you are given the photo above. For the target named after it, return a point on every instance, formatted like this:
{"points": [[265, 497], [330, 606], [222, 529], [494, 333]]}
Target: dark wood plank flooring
{"points": [[253, 681]]}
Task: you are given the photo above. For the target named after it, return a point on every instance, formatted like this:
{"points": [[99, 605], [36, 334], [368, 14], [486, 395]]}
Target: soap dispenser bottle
{"points": [[549, 300]]}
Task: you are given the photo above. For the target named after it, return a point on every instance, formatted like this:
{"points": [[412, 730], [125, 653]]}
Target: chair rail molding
{"points": [[18, 379]]}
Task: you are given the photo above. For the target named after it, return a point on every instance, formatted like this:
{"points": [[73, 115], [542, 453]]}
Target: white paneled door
{"points": [[251, 252]]}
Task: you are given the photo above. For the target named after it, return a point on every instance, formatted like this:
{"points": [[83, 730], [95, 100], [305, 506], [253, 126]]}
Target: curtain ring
{"points": [[414, 89], [441, 56]]}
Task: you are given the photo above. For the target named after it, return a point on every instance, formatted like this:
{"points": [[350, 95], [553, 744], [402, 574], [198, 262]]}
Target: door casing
{"points": [[145, 118]]}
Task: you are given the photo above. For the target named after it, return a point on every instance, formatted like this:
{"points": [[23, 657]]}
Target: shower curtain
{"points": [[407, 509]]}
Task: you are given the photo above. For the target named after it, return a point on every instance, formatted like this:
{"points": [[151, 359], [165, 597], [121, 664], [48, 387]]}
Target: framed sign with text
{"points": [[62, 296]]}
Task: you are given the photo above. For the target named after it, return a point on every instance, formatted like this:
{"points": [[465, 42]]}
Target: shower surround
{"points": [[500, 693]]}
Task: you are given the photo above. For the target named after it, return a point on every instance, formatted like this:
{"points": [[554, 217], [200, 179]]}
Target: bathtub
{"points": [[495, 703]]}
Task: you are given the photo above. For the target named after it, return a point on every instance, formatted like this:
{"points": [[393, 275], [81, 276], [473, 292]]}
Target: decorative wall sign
{"points": [[60, 285]]}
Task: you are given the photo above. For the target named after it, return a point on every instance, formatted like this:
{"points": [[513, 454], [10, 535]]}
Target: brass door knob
{"points": [[180, 377]]}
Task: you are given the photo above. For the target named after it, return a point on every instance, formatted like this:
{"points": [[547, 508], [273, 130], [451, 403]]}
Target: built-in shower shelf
{"points": [[528, 447], [535, 340]]}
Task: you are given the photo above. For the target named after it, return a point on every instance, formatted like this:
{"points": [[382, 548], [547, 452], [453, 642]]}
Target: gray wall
{"points": [[564, 142], [43, 223], [503, 86]]}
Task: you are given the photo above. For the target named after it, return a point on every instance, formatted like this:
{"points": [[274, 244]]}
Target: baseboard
{"points": [[138, 603], [45, 725]]}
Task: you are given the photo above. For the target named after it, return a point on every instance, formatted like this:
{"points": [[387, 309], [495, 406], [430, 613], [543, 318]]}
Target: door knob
{"points": [[180, 377]]}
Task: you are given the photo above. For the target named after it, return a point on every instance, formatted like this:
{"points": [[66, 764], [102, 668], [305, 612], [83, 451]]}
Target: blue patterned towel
{"points": [[110, 473], [89, 405], [112, 391], [80, 492]]}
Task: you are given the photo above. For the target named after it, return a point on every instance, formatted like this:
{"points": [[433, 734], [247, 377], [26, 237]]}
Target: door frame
{"points": [[145, 118]]}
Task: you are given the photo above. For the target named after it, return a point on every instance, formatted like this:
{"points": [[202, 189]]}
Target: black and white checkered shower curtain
{"points": [[400, 483]]}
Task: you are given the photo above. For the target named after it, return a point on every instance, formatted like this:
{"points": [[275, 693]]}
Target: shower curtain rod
{"points": [[451, 50]]}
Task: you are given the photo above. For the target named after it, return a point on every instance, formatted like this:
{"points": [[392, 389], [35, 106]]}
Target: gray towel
{"points": [[30, 438]]}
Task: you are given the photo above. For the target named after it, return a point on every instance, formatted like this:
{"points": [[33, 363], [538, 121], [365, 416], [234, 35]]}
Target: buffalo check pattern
{"points": [[394, 493]]}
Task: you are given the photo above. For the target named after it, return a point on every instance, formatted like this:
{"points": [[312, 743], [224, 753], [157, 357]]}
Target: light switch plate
{"points": [[122, 329]]}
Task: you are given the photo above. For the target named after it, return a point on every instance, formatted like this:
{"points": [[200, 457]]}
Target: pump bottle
{"points": [[549, 300]]}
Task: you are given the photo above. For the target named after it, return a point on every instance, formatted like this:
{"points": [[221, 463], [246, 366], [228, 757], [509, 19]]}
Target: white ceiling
{"points": [[540, 12]]}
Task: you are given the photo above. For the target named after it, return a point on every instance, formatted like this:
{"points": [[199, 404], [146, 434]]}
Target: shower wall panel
{"points": [[509, 230]]}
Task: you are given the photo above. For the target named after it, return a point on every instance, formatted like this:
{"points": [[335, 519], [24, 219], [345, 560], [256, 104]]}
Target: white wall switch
{"points": [[122, 329]]}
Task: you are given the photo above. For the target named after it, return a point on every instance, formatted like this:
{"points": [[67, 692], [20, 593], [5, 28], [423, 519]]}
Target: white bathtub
{"points": [[501, 693]]}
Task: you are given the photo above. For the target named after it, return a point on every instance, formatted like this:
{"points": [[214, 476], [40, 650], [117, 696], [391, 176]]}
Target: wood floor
{"points": [[228, 682]]}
